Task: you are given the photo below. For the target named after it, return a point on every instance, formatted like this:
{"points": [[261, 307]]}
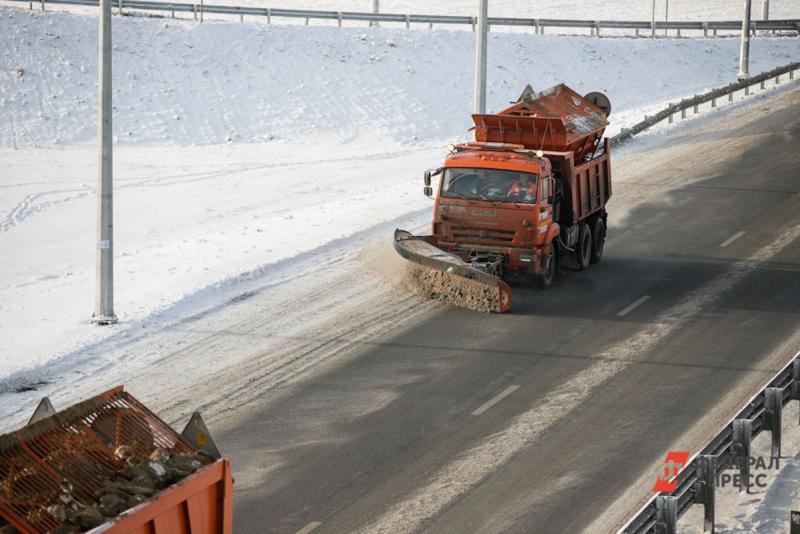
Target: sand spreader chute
{"points": [[447, 277]]}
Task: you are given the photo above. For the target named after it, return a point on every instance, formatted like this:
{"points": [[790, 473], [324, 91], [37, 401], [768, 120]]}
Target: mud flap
{"points": [[447, 277]]}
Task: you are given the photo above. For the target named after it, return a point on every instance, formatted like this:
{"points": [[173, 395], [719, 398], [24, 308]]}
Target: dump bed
{"points": [[110, 464], [558, 119]]}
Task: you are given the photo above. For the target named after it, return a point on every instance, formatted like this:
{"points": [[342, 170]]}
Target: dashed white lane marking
{"points": [[494, 400], [638, 302], [731, 239], [309, 527], [468, 469]]}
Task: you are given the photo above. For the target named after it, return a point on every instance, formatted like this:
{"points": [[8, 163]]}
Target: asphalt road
{"points": [[554, 418]]}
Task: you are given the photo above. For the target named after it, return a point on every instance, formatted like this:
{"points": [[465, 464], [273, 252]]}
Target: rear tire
{"points": [[545, 278], [583, 250], [598, 240]]}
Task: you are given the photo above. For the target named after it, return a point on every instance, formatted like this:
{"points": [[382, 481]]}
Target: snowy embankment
{"points": [[240, 148]]}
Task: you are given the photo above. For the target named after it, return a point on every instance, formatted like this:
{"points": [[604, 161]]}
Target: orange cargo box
{"points": [[199, 504], [64, 464]]}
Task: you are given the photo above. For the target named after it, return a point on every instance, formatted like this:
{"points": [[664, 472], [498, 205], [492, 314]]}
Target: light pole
{"points": [[666, 16], [376, 8], [104, 289], [653, 22], [744, 48], [765, 9], [480, 58]]}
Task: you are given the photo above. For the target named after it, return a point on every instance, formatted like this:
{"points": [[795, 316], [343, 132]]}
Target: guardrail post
{"points": [[714, 102], [408, 21], [778, 79], [430, 26], [704, 489], [773, 405], [679, 32], [597, 28], [339, 18], [194, 10], [42, 5], [796, 377], [746, 90], [730, 96], [473, 21], [683, 113], [696, 105], [740, 448], [794, 522], [306, 21], [241, 17], [715, 32], [119, 8], [269, 15], [705, 29], [762, 84], [666, 514], [637, 32], [173, 13], [202, 9], [536, 26]]}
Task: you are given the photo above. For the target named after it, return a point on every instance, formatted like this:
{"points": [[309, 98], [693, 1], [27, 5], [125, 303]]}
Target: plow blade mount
{"points": [[447, 277]]}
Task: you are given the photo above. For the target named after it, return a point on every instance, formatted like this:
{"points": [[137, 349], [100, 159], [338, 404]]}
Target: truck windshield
{"points": [[489, 184]]}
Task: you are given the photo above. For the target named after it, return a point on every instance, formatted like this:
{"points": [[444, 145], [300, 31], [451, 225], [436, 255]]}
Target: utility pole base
{"points": [[103, 320]]}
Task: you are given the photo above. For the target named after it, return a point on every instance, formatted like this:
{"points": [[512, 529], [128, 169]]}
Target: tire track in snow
{"points": [[30, 206]]}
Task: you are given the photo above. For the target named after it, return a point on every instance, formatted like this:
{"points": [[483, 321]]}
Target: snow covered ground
{"points": [[244, 151]]}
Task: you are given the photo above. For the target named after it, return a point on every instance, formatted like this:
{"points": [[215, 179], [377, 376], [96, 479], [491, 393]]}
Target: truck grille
{"points": [[482, 235]]}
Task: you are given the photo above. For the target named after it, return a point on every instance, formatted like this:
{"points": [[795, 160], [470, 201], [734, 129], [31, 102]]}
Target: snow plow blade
{"points": [[446, 277]]}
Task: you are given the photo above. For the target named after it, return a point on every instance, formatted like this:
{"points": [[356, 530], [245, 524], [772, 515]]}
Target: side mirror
{"points": [[428, 190], [555, 190], [427, 178]]}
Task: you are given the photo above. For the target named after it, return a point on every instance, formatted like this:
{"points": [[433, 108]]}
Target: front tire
{"points": [[545, 278], [583, 252], [598, 240]]}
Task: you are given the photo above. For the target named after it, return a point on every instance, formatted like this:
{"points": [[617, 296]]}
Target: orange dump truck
{"points": [[530, 190], [110, 465]]}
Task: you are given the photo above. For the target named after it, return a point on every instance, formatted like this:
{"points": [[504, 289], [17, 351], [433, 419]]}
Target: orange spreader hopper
{"points": [[555, 120]]}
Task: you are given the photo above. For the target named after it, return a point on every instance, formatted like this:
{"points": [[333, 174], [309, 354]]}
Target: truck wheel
{"points": [[598, 240], [545, 278], [583, 251]]}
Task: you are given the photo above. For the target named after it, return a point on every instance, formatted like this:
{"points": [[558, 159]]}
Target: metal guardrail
{"points": [[539, 25], [731, 447], [712, 96]]}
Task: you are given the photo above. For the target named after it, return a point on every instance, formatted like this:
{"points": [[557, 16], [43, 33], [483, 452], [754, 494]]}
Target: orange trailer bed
{"points": [[199, 504]]}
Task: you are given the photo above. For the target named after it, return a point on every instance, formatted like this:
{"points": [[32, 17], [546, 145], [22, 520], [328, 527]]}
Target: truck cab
{"points": [[495, 205]]}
